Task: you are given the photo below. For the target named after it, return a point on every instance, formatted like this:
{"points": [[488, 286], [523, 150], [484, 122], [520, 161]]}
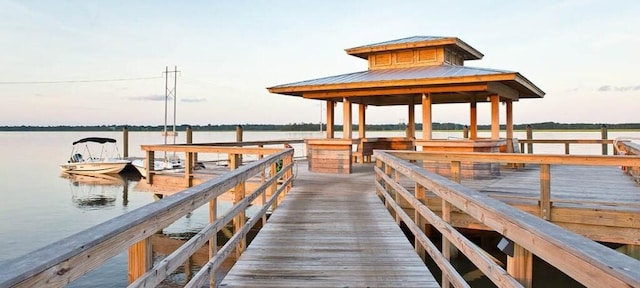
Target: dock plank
{"points": [[330, 231]]}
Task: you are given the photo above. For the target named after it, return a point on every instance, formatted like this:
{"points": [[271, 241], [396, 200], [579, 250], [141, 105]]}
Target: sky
{"points": [[56, 54]]}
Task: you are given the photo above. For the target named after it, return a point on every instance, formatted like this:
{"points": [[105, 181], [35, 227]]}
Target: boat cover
{"points": [[100, 140]]}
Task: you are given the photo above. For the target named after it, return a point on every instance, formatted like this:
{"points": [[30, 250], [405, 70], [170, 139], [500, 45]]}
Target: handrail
{"points": [[580, 258], [62, 262], [566, 142]]}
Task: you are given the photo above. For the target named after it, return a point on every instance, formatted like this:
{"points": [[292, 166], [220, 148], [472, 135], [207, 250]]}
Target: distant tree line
{"points": [[315, 127]]}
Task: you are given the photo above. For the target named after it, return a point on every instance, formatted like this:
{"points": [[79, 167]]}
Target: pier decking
{"points": [[330, 231]]}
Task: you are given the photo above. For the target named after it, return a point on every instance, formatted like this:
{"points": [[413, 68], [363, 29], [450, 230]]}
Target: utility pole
{"points": [[170, 92]]}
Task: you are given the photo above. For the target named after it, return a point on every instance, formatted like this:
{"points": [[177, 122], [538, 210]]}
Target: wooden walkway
{"points": [[330, 231]]}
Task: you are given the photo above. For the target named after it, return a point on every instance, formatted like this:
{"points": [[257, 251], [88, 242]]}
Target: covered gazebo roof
{"points": [[403, 68]]}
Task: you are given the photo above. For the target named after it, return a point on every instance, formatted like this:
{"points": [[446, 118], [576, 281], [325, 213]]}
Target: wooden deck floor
{"points": [[330, 231], [600, 187]]}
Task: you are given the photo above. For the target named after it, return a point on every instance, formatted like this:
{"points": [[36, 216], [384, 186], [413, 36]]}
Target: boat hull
{"points": [[95, 167]]}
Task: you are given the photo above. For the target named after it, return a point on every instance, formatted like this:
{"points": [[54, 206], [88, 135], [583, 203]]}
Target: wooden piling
{"points": [[529, 137], [520, 266], [465, 132], [125, 142], [603, 131], [140, 259]]}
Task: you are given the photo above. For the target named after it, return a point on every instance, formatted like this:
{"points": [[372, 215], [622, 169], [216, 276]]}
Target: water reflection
{"points": [[96, 191]]}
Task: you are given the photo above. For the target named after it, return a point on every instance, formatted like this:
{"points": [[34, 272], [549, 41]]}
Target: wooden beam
{"points": [[411, 126], [378, 91], [330, 119], [426, 116], [346, 120], [503, 90], [362, 120], [495, 116], [140, 259], [473, 118]]}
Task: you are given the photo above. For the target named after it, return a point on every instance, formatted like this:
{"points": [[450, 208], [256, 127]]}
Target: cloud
{"points": [[606, 88], [193, 100], [149, 98]]}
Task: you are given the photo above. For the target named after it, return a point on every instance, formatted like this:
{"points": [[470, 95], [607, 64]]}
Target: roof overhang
{"points": [[463, 89]]}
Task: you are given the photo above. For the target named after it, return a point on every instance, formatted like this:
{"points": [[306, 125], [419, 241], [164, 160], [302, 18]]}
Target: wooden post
{"points": [[426, 116], [194, 155], [140, 260], [465, 132], [213, 241], [148, 165], [545, 191], [420, 221], [125, 142], [239, 132], [188, 169], [238, 221], [361, 121], [566, 149], [530, 139], [473, 118], [603, 131], [520, 266], [495, 117], [274, 186], [411, 126], [509, 108], [330, 120], [346, 119]]}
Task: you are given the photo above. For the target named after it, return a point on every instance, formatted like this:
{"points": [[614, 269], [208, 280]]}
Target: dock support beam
{"points": [[346, 120], [520, 266], [139, 259], [495, 116], [426, 116], [330, 119]]}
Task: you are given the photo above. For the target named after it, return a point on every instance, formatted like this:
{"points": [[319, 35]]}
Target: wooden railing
{"points": [[584, 260], [528, 144], [631, 149], [62, 262]]}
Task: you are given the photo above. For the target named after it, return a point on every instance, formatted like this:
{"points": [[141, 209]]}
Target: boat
{"points": [[84, 161], [172, 164]]}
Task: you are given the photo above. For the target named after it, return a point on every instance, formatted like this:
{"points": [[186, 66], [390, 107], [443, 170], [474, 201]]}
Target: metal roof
{"points": [[426, 72], [404, 40], [468, 52]]}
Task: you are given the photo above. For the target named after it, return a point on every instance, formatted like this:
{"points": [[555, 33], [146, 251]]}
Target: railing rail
{"points": [[580, 258], [528, 143], [62, 262]]}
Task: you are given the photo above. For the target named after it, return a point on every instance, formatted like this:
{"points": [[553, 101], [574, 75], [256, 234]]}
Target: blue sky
{"points": [[583, 54]]}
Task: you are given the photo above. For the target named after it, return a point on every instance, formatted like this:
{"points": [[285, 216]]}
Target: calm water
{"points": [[38, 206]]}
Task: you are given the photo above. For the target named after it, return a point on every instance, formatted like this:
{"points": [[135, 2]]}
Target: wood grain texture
{"points": [[322, 235]]}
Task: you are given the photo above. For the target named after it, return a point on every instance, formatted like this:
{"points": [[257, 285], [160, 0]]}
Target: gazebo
{"points": [[410, 71]]}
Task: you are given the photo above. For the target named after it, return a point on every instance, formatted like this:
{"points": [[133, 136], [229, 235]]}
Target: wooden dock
{"points": [[330, 231]]}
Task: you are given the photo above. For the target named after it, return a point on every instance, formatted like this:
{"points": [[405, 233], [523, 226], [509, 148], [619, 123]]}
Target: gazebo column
{"points": [[330, 113], [346, 121], [361, 120], [510, 147], [411, 126], [473, 119], [495, 116], [426, 116]]}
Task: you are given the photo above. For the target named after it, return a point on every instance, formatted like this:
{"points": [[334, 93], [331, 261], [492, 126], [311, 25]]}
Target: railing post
{"points": [[194, 155], [387, 187], [465, 132], [603, 131], [545, 191], [520, 266], [213, 241], [140, 260], [566, 148], [125, 142], [274, 186], [239, 131], [420, 221], [530, 138]]}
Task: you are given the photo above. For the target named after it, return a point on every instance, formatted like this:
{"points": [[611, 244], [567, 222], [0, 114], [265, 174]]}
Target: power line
{"points": [[75, 81]]}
